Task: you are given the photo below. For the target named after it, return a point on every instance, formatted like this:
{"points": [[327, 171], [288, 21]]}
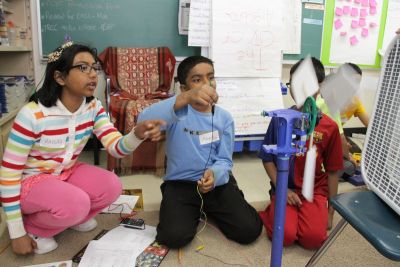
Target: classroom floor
{"points": [[247, 168], [350, 249]]}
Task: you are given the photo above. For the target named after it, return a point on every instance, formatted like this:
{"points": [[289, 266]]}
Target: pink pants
{"points": [[53, 205], [306, 224]]}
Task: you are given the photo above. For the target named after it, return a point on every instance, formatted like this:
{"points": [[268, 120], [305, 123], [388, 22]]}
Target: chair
{"points": [[102, 95], [137, 78], [375, 214]]}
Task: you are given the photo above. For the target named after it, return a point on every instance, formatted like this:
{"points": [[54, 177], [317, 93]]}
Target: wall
{"points": [[369, 81]]}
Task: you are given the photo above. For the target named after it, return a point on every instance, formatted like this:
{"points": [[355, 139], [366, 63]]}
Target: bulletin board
{"points": [[311, 34], [353, 32]]}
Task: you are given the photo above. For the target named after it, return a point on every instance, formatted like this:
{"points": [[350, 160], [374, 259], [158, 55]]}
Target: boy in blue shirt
{"points": [[199, 139]]}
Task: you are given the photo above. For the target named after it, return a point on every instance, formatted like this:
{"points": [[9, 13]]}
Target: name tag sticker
{"points": [[209, 137], [52, 141]]}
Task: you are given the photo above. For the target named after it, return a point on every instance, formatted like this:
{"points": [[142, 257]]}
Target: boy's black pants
{"points": [[225, 205]]}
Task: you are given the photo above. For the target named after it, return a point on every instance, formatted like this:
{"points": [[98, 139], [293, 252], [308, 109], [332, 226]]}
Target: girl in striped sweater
{"points": [[43, 189]]}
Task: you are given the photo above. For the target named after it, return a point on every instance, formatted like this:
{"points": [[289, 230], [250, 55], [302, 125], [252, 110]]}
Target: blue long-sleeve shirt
{"points": [[190, 150]]}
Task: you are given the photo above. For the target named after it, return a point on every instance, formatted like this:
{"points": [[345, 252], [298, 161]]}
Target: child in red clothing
{"points": [[306, 222]]}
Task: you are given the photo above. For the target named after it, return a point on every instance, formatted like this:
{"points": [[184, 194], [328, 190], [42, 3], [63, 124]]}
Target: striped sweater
{"points": [[49, 140]]}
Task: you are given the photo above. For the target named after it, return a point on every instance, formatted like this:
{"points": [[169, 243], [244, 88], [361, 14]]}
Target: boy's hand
{"points": [[149, 129], [23, 245], [293, 199], [203, 96], [352, 160], [331, 211], [206, 183]]}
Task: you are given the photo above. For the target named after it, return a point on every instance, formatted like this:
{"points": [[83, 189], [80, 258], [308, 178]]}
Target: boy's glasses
{"points": [[85, 68]]}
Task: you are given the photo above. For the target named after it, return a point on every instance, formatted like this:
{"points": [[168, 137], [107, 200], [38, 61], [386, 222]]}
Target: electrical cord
{"points": [[202, 213]]}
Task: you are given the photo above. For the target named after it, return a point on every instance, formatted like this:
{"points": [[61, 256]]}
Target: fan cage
{"points": [[381, 151]]}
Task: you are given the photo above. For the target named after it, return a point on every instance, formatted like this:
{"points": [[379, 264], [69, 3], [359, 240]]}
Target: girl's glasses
{"points": [[85, 68]]}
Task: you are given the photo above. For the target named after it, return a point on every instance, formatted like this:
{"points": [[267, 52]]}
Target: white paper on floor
{"points": [[124, 204], [119, 247]]}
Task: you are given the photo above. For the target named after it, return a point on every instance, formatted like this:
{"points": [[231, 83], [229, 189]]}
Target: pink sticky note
{"points": [[372, 10], [346, 10], [363, 12], [338, 11], [372, 3], [364, 3], [364, 32], [343, 33], [354, 24], [361, 22], [338, 24], [373, 25], [354, 12], [353, 40], [357, 1]]}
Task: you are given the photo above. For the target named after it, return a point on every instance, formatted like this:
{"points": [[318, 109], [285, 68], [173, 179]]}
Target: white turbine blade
{"points": [[309, 174]]}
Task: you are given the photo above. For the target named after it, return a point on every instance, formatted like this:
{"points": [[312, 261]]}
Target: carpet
{"points": [[350, 249]]}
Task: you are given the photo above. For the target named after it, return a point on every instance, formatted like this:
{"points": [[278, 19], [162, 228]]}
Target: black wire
{"points": [[212, 138]]}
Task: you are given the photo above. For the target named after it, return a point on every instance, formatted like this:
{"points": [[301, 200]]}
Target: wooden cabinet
{"points": [[16, 59]]}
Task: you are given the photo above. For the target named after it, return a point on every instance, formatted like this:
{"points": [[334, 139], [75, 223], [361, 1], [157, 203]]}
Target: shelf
{"points": [[4, 48], [6, 7], [7, 10], [8, 116]]}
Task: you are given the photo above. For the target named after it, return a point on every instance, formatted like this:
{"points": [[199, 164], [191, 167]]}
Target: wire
{"points": [[201, 213], [212, 139], [5, 247], [224, 262], [230, 244], [180, 255], [113, 207]]}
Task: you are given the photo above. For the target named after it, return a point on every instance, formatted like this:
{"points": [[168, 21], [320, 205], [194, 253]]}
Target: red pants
{"points": [[306, 224]]}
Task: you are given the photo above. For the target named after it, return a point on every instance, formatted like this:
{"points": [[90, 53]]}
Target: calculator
{"points": [[133, 223]]}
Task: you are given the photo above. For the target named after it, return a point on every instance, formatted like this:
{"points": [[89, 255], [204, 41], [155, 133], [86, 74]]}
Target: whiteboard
{"points": [[246, 38], [246, 98], [292, 27], [200, 24]]}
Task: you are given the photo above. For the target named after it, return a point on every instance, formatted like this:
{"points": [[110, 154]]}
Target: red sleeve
{"points": [[333, 156]]}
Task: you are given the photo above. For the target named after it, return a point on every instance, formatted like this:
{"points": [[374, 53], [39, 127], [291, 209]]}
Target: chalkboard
{"points": [[311, 33], [122, 23]]}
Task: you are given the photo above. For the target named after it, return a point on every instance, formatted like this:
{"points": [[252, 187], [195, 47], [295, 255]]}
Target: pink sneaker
{"points": [[44, 244], [87, 226]]}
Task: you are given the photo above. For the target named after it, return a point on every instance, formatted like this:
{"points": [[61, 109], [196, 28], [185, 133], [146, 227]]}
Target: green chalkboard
{"points": [[103, 23], [311, 33]]}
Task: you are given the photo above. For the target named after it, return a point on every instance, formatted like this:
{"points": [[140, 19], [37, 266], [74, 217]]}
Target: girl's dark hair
{"points": [[50, 91], [188, 63], [355, 67], [318, 67]]}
